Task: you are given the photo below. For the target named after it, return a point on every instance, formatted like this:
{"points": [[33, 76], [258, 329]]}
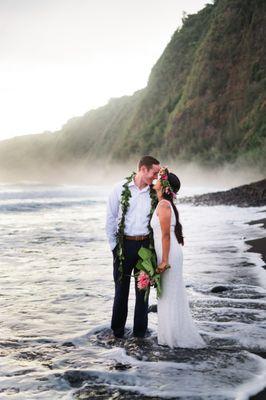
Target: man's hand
{"points": [[114, 251]]}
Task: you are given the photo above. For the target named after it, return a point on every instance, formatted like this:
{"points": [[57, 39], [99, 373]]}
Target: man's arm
{"points": [[112, 215]]}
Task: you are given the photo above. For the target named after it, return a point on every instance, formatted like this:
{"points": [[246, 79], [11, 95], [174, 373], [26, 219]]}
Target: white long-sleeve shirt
{"points": [[137, 216]]}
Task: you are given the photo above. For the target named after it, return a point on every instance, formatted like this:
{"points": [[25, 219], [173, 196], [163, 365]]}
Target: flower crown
{"points": [[163, 177]]}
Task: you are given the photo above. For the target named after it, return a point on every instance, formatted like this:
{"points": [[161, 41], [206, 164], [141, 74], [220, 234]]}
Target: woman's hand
{"points": [[162, 267]]}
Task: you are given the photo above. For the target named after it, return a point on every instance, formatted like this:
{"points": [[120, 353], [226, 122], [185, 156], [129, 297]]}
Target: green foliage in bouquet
{"points": [[148, 264]]}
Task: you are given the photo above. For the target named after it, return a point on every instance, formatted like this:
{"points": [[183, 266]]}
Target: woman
{"points": [[176, 327]]}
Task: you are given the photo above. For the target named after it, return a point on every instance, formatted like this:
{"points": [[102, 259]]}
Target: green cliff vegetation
{"points": [[204, 101]]}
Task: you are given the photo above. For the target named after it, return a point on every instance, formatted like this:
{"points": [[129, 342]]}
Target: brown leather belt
{"points": [[142, 237]]}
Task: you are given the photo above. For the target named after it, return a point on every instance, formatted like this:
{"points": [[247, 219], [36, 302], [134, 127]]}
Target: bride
{"points": [[176, 327]]}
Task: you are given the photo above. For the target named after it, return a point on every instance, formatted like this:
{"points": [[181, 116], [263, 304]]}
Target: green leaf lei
{"points": [[125, 198]]}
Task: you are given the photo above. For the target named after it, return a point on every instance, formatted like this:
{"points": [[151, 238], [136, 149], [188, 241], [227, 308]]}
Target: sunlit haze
{"points": [[60, 58]]}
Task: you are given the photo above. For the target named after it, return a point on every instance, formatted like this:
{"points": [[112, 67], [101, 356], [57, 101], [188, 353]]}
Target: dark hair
{"points": [[175, 185], [148, 161]]}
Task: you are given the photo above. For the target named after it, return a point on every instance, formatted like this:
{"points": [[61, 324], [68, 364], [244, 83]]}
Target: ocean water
{"points": [[57, 291]]}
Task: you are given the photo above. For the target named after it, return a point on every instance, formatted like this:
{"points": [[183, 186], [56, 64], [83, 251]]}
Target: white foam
{"points": [[255, 385]]}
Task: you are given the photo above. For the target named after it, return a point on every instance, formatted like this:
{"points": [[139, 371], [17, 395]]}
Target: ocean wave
{"points": [[33, 206]]}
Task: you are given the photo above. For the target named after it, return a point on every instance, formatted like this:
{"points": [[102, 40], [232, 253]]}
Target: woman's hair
{"points": [[175, 186]]}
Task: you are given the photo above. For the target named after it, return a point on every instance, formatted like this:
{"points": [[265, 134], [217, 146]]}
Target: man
{"points": [[136, 234]]}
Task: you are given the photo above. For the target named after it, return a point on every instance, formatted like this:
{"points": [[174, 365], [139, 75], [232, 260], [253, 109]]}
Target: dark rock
{"points": [[251, 195], [258, 221], [259, 396], [258, 246], [102, 392], [120, 366], [260, 354], [219, 289], [76, 377], [68, 344], [152, 308], [147, 349]]}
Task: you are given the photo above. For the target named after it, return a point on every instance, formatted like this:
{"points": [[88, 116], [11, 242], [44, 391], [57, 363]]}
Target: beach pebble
{"points": [[152, 308], [219, 289]]}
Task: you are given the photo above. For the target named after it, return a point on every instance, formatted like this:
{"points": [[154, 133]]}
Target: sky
{"points": [[61, 58]]}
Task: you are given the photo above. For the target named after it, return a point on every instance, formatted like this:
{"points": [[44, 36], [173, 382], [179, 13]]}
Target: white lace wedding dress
{"points": [[176, 327]]}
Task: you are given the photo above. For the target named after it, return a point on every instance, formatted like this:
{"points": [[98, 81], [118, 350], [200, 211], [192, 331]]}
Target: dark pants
{"points": [[120, 306]]}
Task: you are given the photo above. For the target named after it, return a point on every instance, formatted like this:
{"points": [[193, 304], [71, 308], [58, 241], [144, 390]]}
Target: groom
{"points": [[136, 234]]}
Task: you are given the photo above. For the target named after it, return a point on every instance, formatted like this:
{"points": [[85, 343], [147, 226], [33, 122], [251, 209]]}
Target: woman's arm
{"points": [[164, 214]]}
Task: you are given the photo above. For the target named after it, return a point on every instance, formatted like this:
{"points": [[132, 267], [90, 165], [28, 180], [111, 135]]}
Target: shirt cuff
{"points": [[113, 244]]}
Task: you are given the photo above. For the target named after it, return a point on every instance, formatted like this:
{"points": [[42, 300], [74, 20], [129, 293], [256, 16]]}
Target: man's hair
{"points": [[148, 161]]}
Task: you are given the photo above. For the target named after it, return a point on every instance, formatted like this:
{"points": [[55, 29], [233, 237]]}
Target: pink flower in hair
{"points": [[143, 280]]}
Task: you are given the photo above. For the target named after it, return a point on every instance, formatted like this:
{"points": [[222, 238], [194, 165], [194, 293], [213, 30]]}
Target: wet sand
{"points": [[260, 396], [258, 245]]}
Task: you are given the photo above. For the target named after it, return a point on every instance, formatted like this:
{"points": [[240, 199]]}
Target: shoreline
{"points": [[251, 195], [258, 246]]}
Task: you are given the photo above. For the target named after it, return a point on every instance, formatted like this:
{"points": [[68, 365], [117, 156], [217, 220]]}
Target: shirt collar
{"points": [[132, 183]]}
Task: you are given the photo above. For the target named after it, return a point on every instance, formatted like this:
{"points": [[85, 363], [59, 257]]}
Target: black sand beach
{"points": [[251, 195], [259, 246]]}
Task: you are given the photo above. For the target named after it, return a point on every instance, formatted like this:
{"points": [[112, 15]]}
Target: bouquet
{"points": [[147, 276]]}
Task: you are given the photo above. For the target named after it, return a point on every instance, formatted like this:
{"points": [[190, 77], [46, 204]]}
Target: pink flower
{"points": [[143, 280]]}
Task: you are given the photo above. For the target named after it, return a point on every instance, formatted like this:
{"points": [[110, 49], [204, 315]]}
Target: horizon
{"points": [[56, 67]]}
